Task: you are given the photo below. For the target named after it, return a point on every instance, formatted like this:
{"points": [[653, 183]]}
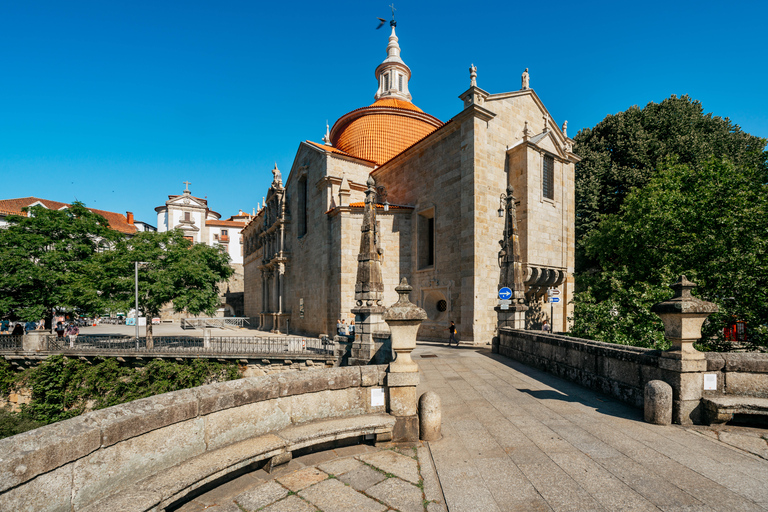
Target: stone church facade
{"points": [[438, 192]]}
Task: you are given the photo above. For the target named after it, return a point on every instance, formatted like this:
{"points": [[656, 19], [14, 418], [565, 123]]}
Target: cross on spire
{"points": [[187, 183]]}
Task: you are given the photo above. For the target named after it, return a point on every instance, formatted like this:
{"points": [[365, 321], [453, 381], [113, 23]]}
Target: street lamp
{"points": [[136, 268]]}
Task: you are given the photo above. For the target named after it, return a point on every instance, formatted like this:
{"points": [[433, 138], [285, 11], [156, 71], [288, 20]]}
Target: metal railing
{"points": [[227, 322], [220, 345], [8, 342]]}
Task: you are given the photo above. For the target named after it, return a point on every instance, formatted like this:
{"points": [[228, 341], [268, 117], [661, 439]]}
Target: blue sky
{"points": [[117, 103]]}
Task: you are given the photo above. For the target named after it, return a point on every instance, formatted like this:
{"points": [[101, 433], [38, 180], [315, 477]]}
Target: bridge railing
{"points": [[226, 322], [125, 345], [8, 342]]}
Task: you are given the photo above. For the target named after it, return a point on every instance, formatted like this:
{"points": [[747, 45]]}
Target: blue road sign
{"points": [[505, 293], [554, 299]]}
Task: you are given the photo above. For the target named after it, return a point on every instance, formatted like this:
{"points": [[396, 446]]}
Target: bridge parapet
{"points": [[189, 438]]}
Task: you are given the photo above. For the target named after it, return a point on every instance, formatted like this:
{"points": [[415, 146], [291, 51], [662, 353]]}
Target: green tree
{"points": [[707, 221], [175, 271], [44, 261], [625, 150]]}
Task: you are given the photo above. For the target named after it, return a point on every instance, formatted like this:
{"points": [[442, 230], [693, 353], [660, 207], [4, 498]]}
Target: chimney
{"points": [[130, 217]]}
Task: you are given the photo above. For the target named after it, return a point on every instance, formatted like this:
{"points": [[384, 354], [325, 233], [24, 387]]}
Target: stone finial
{"points": [[472, 76], [404, 309], [565, 128], [525, 79], [277, 180], [344, 191], [683, 316], [526, 132], [327, 136], [546, 122]]}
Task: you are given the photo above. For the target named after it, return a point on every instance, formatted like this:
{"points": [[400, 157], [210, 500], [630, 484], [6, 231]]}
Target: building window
{"points": [[302, 210], [386, 82], [223, 232], [548, 177], [400, 82], [426, 241], [187, 216]]}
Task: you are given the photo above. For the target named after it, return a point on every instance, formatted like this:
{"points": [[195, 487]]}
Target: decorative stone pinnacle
{"points": [[565, 128], [682, 301], [327, 136], [404, 309], [525, 78], [472, 75]]}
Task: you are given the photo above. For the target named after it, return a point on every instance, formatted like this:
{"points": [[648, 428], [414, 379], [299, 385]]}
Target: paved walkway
{"points": [[519, 439], [514, 439]]}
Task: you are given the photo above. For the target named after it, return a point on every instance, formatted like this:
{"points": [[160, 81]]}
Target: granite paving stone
{"points": [[333, 496], [338, 467], [362, 478], [261, 496], [390, 461], [302, 478], [291, 504], [398, 494]]}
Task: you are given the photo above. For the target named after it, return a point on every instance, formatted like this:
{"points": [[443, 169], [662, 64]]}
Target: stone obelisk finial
{"points": [[512, 313], [369, 285]]}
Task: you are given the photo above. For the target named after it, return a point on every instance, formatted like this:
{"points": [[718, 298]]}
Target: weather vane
{"points": [[382, 21]]}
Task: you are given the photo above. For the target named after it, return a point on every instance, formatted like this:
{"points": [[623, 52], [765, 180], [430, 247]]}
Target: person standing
{"points": [[452, 331], [59, 329], [344, 330], [338, 327], [545, 326], [18, 330], [352, 328], [72, 332]]}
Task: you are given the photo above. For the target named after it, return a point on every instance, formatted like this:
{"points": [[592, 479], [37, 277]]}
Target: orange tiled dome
{"points": [[382, 130]]}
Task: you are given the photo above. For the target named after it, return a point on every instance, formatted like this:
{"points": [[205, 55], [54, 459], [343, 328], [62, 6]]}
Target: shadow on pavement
{"points": [[567, 391]]}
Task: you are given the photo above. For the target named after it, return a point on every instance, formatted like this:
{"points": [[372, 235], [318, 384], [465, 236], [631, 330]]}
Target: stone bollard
{"points": [[657, 401], [430, 417], [404, 319]]}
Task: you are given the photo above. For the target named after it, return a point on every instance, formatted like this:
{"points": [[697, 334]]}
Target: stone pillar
{"points": [[369, 285], [430, 417], [511, 313], [683, 316], [404, 319], [657, 402], [35, 341]]}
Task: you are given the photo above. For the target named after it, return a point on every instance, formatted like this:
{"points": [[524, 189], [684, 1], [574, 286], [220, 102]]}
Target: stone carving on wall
{"points": [[538, 279]]}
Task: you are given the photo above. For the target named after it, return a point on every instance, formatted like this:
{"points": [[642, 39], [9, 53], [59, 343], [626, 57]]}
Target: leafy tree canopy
{"points": [[708, 221], [625, 150], [44, 261], [175, 270]]}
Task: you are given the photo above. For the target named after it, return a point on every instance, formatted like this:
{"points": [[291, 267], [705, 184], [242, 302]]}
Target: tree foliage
{"points": [[45, 261], [625, 150], [708, 221], [173, 270]]}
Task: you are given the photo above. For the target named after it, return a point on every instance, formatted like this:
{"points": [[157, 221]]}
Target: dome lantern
{"points": [[393, 74]]}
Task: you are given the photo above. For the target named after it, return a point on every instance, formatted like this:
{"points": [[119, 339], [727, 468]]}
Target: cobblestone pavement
{"points": [[515, 438], [358, 478]]}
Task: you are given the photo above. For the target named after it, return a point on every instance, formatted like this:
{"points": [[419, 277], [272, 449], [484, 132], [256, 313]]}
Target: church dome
{"points": [[382, 130], [392, 123]]}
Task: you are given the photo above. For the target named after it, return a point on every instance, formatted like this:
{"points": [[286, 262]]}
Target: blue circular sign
{"points": [[505, 293]]}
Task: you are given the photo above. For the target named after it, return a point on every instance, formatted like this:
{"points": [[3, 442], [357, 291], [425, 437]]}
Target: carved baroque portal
{"points": [[270, 239]]}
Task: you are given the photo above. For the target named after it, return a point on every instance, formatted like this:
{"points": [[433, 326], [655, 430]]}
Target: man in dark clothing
{"points": [[452, 330], [59, 330], [18, 330]]}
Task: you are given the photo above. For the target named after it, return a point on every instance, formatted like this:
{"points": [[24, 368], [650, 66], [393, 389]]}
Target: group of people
{"points": [[344, 329], [71, 330]]}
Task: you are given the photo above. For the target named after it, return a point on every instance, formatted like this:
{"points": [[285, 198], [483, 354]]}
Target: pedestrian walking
{"points": [[59, 329], [72, 332], [452, 337]]}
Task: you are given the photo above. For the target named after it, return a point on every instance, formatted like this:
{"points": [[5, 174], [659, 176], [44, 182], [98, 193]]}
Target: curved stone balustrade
{"points": [[150, 453]]}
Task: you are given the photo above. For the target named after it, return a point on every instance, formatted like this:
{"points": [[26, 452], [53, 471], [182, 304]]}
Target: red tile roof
{"points": [[117, 221]]}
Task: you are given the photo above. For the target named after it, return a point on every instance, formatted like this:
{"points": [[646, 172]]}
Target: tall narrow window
{"points": [[400, 82], [426, 239], [302, 220], [187, 216], [548, 177], [386, 82]]}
